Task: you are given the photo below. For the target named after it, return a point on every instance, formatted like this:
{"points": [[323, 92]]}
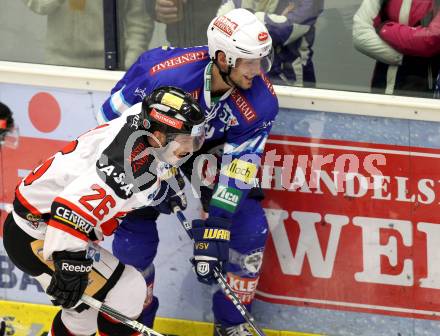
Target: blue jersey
{"points": [[239, 121]]}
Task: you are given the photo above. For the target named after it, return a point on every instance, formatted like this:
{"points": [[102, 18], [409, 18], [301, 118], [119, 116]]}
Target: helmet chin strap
{"points": [[226, 75]]}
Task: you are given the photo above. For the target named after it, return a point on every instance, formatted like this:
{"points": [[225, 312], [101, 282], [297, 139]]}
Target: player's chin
{"points": [[245, 84]]}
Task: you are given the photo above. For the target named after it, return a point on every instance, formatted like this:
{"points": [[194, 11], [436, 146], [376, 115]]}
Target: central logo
{"points": [[203, 268]]}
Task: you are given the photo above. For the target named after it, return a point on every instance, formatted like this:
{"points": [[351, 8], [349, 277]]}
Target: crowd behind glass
{"points": [[395, 43]]}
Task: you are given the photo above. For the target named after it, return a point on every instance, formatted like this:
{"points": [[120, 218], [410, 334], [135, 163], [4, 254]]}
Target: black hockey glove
{"points": [[70, 278], [171, 194], [211, 247]]}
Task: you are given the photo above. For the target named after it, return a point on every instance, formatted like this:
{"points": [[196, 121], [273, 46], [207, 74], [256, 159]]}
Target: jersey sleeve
{"points": [[241, 157], [131, 89]]}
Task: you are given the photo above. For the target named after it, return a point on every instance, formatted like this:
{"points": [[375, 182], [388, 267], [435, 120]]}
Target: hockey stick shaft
{"points": [[227, 290], [135, 325]]}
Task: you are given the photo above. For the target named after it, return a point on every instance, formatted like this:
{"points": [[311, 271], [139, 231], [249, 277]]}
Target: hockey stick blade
{"points": [[135, 325], [227, 290]]}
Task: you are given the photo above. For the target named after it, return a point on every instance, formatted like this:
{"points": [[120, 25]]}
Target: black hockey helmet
{"points": [[174, 112], [8, 135]]}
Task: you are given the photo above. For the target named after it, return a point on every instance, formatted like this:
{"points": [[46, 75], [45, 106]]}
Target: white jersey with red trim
{"points": [[79, 193]]}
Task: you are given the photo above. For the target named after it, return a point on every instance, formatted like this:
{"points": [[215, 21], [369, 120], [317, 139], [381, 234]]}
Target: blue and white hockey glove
{"points": [[211, 247]]}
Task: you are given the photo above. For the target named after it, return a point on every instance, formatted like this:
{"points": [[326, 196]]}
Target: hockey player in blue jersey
{"points": [[228, 79]]}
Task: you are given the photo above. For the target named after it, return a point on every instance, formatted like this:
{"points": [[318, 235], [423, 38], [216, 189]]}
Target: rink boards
{"points": [[27, 319], [352, 204]]}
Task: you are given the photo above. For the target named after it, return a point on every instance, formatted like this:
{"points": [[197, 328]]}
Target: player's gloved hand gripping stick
{"points": [[227, 290]]}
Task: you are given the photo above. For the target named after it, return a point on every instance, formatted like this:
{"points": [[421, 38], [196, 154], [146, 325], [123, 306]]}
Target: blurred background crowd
{"points": [[378, 46]]}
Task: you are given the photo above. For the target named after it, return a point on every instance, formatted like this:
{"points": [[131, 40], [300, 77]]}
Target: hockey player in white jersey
{"points": [[77, 196], [6, 130]]}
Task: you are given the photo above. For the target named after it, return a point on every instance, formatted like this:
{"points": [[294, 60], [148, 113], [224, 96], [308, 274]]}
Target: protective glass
{"points": [[186, 143], [10, 138]]}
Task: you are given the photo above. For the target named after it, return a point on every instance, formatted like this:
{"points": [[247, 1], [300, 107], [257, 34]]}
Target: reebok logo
{"points": [[65, 266]]}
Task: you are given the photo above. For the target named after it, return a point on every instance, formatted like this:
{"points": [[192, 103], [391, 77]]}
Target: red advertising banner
{"points": [[353, 226]]}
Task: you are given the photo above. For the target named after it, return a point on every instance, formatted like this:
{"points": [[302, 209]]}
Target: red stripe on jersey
{"points": [[244, 107], [70, 230], [26, 204], [76, 209]]}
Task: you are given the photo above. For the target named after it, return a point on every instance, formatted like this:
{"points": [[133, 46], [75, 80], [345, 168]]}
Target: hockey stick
{"points": [[227, 290], [135, 325]]}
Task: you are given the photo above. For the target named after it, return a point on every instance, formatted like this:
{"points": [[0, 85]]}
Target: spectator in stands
{"points": [[75, 31], [291, 24], [186, 20], [404, 38]]}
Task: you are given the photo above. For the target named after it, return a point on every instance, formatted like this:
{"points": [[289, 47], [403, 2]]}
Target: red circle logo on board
{"points": [[263, 36], [44, 112]]}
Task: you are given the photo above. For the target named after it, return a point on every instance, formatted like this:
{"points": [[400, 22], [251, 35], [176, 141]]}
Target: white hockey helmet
{"points": [[239, 34]]}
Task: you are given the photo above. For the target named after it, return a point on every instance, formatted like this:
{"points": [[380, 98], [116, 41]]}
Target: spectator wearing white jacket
{"points": [[75, 31]]}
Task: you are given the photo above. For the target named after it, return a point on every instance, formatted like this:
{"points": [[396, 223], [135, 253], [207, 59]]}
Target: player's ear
{"points": [[221, 61]]}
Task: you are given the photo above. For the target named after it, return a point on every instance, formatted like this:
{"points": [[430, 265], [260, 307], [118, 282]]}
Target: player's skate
{"points": [[238, 330]]}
